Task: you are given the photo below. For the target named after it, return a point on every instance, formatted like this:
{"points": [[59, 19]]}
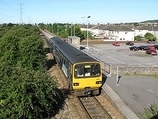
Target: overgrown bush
{"points": [[151, 112], [27, 92]]}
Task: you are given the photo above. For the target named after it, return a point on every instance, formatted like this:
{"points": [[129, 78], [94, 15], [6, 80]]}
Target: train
{"points": [[84, 73]]}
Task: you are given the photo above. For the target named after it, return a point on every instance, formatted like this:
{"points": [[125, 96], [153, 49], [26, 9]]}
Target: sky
{"points": [[77, 11]]}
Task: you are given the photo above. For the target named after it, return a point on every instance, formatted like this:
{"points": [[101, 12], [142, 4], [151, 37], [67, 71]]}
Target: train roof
{"points": [[72, 54]]}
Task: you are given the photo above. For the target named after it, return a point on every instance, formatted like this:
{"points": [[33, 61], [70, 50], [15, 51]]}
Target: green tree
{"points": [[77, 30], [32, 53], [150, 37], [27, 92], [85, 35], [138, 38], [9, 50], [55, 28], [65, 30]]}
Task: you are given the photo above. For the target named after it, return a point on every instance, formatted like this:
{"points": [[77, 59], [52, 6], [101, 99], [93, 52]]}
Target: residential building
{"points": [[120, 32]]}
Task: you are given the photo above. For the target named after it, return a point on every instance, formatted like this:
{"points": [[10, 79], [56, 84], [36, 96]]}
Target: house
{"points": [[85, 27], [155, 29], [142, 30], [97, 30], [121, 33], [94, 29]]}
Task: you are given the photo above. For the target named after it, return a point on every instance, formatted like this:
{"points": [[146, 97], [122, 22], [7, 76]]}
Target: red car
{"points": [[115, 44], [151, 52], [151, 47]]}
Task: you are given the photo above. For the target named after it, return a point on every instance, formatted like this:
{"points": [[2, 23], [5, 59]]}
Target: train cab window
{"points": [[95, 70], [79, 71], [87, 70]]}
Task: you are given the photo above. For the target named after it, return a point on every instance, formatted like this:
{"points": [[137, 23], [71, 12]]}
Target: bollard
{"points": [[118, 79]]}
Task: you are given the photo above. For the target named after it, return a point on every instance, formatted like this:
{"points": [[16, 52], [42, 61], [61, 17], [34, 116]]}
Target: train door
{"points": [[70, 75], [64, 64]]}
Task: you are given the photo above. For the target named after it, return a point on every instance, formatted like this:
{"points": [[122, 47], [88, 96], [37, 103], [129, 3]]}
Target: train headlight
{"points": [[98, 82], [76, 84]]}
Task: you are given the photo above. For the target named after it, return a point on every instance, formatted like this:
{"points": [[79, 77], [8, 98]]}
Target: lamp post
{"points": [[74, 29], [87, 31], [71, 29], [71, 26]]}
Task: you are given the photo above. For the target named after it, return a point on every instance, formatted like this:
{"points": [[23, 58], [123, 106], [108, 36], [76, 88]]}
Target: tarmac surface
{"points": [[132, 94]]}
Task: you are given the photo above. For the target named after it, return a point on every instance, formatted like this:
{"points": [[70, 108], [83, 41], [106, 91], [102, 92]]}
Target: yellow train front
{"points": [[83, 72], [87, 78]]}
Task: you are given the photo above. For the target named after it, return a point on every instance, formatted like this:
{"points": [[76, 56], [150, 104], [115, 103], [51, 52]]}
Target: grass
{"points": [[151, 112]]}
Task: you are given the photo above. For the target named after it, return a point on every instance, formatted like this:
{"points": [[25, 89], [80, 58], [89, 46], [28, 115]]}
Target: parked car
{"points": [[151, 41], [151, 47], [143, 47], [82, 47], [156, 46], [115, 44], [151, 52], [129, 43], [134, 48]]}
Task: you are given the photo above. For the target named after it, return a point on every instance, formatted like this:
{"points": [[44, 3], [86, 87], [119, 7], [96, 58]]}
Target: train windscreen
{"points": [[87, 70]]}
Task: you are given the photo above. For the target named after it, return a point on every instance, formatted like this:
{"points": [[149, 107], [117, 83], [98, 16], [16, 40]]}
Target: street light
{"points": [[87, 30], [73, 28]]}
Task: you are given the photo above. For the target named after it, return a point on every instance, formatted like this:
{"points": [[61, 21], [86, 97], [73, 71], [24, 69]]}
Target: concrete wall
{"points": [[134, 70]]}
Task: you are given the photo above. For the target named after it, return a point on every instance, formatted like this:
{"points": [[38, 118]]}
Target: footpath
{"points": [[132, 94]]}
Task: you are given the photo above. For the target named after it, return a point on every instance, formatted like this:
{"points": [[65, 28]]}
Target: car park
{"points": [[129, 43], [115, 44], [156, 46], [134, 48]]}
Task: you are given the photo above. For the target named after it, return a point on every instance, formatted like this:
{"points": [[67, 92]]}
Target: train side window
{"points": [[63, 60], [66, 63]]}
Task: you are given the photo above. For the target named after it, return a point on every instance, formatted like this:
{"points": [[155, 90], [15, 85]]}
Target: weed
{"points": [[150, 112]]}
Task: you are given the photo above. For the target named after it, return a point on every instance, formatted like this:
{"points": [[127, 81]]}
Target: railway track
{"points": [[85, 107], [93, 108], [81, 108]]}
